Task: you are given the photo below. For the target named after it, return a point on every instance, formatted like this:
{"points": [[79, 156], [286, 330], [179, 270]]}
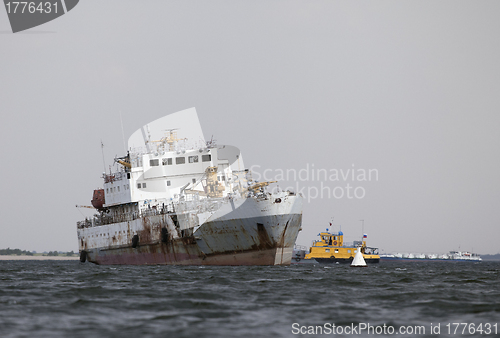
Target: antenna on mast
{"points": [[103, 162]]}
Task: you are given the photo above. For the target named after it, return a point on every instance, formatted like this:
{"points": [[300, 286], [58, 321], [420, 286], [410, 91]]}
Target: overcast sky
{"points": [[408, 88]]}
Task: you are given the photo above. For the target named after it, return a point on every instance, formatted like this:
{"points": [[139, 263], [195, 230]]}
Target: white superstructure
{"points": [[164, 165]]}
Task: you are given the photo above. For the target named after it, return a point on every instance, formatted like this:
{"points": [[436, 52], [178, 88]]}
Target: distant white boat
{"points": [[451, 256]]}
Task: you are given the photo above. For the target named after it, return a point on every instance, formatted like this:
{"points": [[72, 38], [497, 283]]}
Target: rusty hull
{"points": [[227, 238]]}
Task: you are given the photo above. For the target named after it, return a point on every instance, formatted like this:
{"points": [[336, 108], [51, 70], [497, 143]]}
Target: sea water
{"points": [[399, 299]]}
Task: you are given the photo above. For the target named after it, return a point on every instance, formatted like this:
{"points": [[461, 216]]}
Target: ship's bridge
{"points": [[330, 239], [162, 164]]}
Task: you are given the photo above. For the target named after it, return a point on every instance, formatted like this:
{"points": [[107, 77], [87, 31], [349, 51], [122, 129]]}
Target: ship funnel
{"points": [[358, 260]]}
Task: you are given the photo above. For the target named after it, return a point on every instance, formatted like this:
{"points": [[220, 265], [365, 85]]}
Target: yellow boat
{"points": [[331, 249]]}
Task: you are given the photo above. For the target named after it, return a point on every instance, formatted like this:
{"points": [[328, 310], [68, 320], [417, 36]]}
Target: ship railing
{"points": [[107, 219], [194, 197], [150, 212], [159, 209], [201, 205], [87, 223], [126, 217], [112, 177], [189, 197]]}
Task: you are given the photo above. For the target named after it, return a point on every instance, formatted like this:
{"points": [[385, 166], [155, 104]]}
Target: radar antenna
{"points": [[170, 139]]}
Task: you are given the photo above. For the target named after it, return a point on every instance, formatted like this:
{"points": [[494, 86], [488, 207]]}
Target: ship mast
{"points": [[103, 162]]}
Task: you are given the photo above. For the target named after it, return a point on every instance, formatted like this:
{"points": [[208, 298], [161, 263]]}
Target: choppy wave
{"points": [[61, 299]]}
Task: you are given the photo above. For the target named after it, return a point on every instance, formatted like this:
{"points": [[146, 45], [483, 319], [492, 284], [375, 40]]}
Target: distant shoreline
{"points": [[36, 258]]}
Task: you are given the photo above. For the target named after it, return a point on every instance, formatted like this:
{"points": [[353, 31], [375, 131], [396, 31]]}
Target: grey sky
{"points": [[409, 88]]}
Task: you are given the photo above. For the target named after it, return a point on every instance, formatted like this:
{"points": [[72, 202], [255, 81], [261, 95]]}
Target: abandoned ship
{"points": [[175, 198]]}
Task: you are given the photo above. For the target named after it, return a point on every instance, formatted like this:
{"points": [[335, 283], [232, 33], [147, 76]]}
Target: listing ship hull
{"points": [[226, 238]]}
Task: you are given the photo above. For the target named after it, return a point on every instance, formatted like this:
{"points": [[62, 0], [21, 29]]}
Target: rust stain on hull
{"points": [[233, 238], [260, 246], [154, 255], [264, 240]]}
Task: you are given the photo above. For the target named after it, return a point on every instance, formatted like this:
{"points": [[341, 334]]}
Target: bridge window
{"points": [[206, 158], [154, 163], [139, 185], [166, 161], [168, 183], [180, 160], [193, 159]]}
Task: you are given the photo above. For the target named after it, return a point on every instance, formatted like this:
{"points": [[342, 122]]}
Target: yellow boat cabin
{"points": [[331, 249]]}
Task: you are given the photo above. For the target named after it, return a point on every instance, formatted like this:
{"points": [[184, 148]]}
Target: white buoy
{"points": [[358, 260]]}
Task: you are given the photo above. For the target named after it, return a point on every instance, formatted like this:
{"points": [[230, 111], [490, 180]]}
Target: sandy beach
{"points": [[36, 258]]}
